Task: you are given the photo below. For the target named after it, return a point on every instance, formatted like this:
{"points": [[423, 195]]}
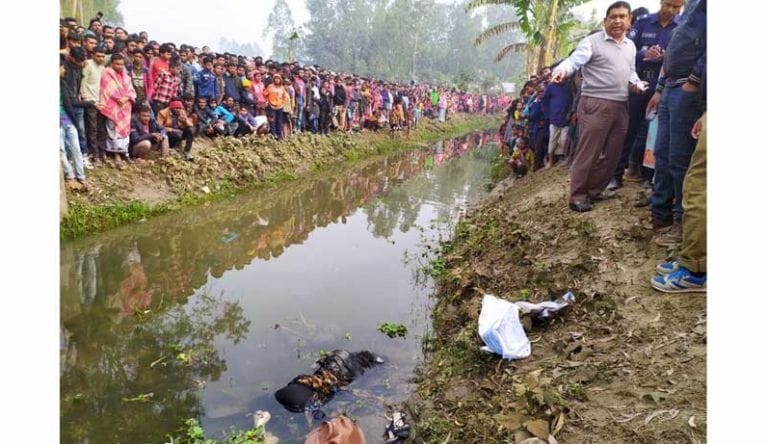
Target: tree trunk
{"points": [[532, 53], [548, 43]]}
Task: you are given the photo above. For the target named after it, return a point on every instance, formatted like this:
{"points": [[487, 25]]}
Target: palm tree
{"points": [[541, 22]]}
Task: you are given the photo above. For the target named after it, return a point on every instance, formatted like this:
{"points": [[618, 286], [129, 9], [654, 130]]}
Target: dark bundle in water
{"points": [[340, 368]]}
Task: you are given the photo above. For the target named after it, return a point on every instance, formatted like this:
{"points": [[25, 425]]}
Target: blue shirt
{"points": [[224, 113], [206, 84], [686, 57], [648, 32], [232, 86], [556, 103]]}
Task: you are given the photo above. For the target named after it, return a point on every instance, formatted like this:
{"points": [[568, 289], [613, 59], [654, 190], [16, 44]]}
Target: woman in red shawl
{"points": [[116, 97]]}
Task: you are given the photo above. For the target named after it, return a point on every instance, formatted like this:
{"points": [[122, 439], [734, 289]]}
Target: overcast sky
{"points": [[204, 22]]}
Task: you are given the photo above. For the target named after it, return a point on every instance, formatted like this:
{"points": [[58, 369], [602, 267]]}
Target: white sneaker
{"points": [[87, 164]]}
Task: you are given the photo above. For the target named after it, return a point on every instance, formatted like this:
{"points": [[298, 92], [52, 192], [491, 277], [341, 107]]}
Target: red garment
{"points": [[158, 65], [166, 87], [115, 86]]}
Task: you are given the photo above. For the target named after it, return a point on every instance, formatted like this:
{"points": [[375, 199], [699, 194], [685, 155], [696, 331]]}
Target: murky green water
{"points": [[207, 312]]}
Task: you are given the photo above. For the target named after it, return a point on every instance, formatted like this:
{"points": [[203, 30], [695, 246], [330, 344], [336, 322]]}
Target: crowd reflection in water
{"points": [[109, 285]]}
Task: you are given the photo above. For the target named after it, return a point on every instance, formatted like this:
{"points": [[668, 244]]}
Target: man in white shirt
{"points": [[95, 122], [607, 63]]}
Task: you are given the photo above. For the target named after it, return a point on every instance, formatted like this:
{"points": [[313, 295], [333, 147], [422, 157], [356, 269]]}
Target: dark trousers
{"points": [[176, 136], [325, 122], [243, 130], [637, 132], [95, 132], [276, 124], [602, 129], [540, 145], [678, 111], [157, 106], [519, 169]]}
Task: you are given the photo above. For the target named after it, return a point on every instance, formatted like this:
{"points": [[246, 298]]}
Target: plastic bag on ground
{"points": [[500, 328]]}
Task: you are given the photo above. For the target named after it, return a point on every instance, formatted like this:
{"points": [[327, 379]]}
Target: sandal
{"points": [[85, 185]]}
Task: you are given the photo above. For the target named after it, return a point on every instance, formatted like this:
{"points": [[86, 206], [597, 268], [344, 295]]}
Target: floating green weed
{"points": [[393, 330]]}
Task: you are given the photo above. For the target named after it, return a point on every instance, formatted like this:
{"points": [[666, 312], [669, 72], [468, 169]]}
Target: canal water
{"points": [[207, 312]]}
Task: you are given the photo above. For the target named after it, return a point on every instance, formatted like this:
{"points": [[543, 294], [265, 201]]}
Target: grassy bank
{"points": [[228, 166], [625, 364]]}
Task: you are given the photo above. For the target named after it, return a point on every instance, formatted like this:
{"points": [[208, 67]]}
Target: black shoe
{"points": [[580, 206], [615, 184], [608, 193]]}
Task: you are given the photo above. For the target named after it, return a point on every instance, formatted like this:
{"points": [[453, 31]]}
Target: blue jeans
{"points": [[70, 146], [299, 113], [80, 125], [678, 111], [441, 114]]}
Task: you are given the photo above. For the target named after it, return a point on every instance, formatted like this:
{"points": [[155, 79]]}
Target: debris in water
{"points": [[307, 393], [393, 330], [397, 430]]}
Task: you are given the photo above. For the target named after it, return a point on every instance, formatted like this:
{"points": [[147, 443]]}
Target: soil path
{"points": [[626, 365]]}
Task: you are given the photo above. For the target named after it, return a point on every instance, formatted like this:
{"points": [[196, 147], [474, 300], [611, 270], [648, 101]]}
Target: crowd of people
{"points": [[593, 112], [126, 98]]}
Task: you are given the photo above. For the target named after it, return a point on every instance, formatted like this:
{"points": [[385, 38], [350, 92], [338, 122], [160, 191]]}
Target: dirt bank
{"points": [[226, 166], [626, 365]]}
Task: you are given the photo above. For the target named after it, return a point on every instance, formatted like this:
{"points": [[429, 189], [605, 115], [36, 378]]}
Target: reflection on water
{"points": [[206, 313]]}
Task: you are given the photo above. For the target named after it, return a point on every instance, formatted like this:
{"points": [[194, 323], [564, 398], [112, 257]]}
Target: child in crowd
{"points": [[522, 158]]}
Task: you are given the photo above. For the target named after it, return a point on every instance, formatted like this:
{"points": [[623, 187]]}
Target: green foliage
{"points": [[393, 330], [285, 35], [532, 20], [149, 388], [435, 268], [499, 168], [194, 434], [422, 40], [84, 10]]}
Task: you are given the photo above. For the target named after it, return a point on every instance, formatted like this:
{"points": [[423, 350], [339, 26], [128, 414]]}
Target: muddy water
{"points": [[205, 313]]}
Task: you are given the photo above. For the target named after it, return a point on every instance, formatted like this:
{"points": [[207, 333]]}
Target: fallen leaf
{"points": [[627, 418], [691, 422], [558, 424], [656, 396], [539, 428], [509, 421], [670, 414]]}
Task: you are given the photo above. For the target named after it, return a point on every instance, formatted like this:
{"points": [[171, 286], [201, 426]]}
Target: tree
{"points": [[251, 49], [281, 27], [402, 40], [85, 10], [539, 22]]}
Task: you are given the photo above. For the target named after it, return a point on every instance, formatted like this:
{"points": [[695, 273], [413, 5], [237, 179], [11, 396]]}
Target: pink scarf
{"points": [[115, 86]]}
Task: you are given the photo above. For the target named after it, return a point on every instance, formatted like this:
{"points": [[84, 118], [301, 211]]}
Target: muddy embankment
{"points": [[625, 365], [227, 166]]}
